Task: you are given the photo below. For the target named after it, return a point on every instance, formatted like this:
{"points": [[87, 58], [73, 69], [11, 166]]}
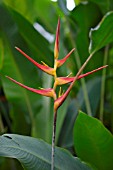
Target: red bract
{"points": [[44, 68], [61, 99], [65, 80], [45, 92], [62, 61], [56, 49]]}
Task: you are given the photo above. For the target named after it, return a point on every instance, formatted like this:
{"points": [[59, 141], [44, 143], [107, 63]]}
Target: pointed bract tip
{"points": [[105, 66], [56, 48], [44, 92], [43, 67], [62, 61], [17, 48]]}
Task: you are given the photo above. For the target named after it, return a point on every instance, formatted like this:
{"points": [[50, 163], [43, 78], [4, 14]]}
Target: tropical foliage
{"points": [[31, 26]]}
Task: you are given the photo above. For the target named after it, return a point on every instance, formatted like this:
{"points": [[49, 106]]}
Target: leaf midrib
{"points": [[20, 149]]}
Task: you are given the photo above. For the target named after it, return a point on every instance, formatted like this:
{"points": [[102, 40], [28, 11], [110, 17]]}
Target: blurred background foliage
{"points": [[31, 25]]}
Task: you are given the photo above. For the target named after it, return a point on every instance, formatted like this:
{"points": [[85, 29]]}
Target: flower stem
{"points": [[53, 141]]}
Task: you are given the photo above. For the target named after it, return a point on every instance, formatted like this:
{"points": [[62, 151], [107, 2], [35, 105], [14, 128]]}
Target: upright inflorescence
{"points": [[58, 81]]}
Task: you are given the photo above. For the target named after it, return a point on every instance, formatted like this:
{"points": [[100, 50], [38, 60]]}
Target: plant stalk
{"points": [[83, 83], [55, 112], [53, 141], [103, 84]]}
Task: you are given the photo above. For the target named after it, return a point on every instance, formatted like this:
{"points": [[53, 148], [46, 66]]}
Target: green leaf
{"points": [[37, 43], [25, 104], [44, 10], [35, 154], [12, 90], [24, 101], [102, 34], [93, 142], [93, 87], [103, 4], [24, 7], [77, 2], [16, 66], [84, 16], [6, 163]]}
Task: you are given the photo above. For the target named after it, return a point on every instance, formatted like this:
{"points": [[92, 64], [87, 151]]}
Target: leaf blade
{"points": [[102, 34], [94, 141], [36, 154]]}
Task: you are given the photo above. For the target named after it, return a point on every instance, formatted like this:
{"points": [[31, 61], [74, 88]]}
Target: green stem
{"points": [[54, 122], [86, 98], [1, 125], [4, 114], [103, 84], [53, 140]]}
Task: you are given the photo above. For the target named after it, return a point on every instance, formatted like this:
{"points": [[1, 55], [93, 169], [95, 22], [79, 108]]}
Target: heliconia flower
{"points": [[56, 49], [65, 80], [62, 61], [44, 92], [58, 102], [44, 67]]}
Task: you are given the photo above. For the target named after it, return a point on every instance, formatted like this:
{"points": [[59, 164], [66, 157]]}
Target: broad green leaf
{"points": [[102, 34], [35, 154], [44, 10], [9, 163], [36, 11], [93, 87], [16, 66], [25, 7], [93, 142], [16, 95], [18, 116], [25, 103], [84, 16], [103, 4], [37, 43]]}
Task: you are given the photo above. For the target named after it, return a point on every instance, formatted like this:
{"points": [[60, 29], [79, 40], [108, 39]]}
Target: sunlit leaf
{"points": [[102, 34], [93, 142], [103, 4]]}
